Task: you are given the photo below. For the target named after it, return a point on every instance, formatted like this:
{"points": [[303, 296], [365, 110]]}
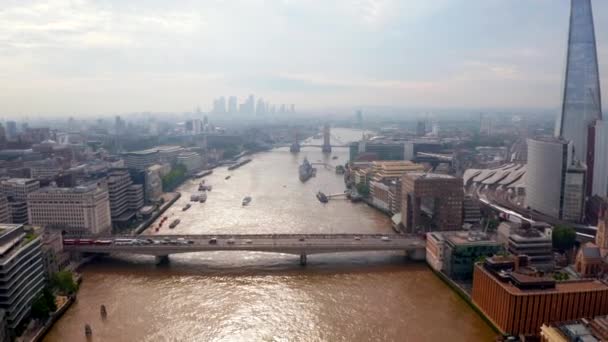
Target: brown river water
{"points": [[250, 296]]}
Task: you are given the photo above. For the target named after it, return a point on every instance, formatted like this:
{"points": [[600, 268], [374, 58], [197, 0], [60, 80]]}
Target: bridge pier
{"points": [[162, 259], [294, 148], [303, 259], [418, 254]]}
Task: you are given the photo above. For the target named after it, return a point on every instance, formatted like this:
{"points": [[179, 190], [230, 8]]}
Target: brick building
{"points": [[438, 196], [519, 303]]}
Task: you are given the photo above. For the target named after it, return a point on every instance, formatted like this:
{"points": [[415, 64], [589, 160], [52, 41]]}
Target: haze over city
{"points": [[88, 58], [299, 170]]}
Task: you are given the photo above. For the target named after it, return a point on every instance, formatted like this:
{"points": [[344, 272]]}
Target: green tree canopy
{"points": [[44, 304], [363, 189], [63, 282], [174, 178], [564, 238]]}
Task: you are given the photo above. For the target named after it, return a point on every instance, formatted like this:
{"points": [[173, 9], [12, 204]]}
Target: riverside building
{"points": [[21, 271], [519, 302], [16, 190], [84, 209], [125, 197], [440, 196]]}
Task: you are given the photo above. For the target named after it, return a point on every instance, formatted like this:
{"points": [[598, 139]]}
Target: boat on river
{"points": [[186, 207], [306, 171], [322, 197], [246, 201], [174, 223]]}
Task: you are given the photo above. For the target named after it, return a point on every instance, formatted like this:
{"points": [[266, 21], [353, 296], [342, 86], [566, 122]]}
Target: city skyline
{"points": [[90, 58]]}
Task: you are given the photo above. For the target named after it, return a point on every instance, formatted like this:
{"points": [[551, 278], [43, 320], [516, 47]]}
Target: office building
{"points": [[260, 108], [191, 160], [168, 153], [153, 182], [126, 198], [471, 211], [380, 195], [84, 209], [54, 258], [44, 169], [438, 196], [386, 171], [16, 191], [420, 128], [454, 253], [485, 124], [143, 159], [519, 302], [11, 130], [219, 105], [232, 105], [535, 244], [394, 197], [376, 150], [21, 270], [580, 119], [5, 211], [555, 182], [140, 159], [580, 330]]}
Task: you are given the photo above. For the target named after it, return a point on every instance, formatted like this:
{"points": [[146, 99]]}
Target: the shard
{"points": [[581, 102]]}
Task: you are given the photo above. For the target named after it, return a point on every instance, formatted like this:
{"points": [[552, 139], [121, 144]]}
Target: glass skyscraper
{"points": [[581, 108]]}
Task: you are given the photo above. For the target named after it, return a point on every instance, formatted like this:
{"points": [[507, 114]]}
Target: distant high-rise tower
{"points": [[260, 108], [232, 105], [581, 118], [11, 129], [420, 128]]}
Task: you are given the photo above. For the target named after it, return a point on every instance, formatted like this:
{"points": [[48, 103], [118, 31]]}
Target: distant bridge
{"points": [[162, 246]]}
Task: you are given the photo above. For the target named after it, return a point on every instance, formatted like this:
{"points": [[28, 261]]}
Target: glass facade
{"points": [[582, 100]]}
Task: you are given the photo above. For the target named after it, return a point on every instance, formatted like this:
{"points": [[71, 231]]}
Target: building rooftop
{"points": [[424, 175], [462, 238], [583, 330], [11, 236], [157, 149], [19, 181], [83, 188], [571, 286]]}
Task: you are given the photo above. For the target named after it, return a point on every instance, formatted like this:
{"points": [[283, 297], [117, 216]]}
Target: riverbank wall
{"points": [[55, 316], [146, 224], [462, 293]]}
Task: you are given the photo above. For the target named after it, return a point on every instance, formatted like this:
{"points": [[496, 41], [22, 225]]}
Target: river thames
{"points": [[249, 296]]}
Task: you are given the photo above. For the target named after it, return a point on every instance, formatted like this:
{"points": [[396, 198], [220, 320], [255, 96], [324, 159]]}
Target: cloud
{"points": [[124, 55]]}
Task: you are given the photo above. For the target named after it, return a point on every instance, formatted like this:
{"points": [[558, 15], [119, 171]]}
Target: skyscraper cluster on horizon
{"points": [[249, 106], [566, 170]]}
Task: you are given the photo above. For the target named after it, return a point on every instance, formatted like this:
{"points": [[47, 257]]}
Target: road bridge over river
{"points": [[162, 246]]}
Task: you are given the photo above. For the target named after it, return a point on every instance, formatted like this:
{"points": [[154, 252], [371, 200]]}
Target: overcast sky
{"points": [[115, 56]]}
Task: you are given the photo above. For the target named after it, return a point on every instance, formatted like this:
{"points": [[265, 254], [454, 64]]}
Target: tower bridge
{"points": [[326, 147]]}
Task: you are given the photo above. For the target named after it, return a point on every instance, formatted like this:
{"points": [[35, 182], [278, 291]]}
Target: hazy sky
{"points": [[115, 56]]}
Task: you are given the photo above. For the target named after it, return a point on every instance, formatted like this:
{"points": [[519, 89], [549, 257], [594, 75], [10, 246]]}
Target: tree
{"points": [[44, 304], [363, 189], [63, 282], [230, 152], [174, 178], [564, 238]]}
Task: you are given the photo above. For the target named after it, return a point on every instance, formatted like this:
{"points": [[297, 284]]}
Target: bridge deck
{"points": [[277, 243]]}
